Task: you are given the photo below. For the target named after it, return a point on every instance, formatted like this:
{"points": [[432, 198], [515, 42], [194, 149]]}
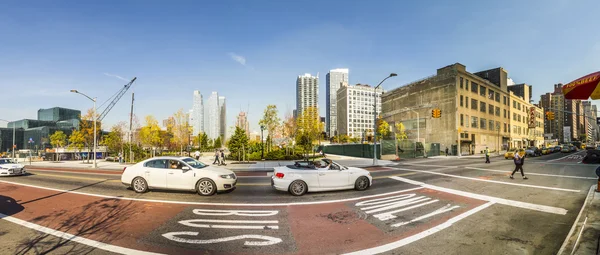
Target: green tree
{"points": [[114, 139], [400, 131], [270, 120], [309, 124], [57, 140], [150, 133], [238, 142], [77, 140], [304, 140], [218, 142], [86, 127], [203, 140]]}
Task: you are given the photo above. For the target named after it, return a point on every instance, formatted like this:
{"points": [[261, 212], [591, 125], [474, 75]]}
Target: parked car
{"points": [[178, 173], [565, 149], [323, 175], [551, 149], [8, 167], [557, 148], [545, 151]]}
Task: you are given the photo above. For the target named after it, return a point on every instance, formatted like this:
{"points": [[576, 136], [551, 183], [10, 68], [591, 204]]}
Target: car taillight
{"points": [[279, 175], [124, 169]]}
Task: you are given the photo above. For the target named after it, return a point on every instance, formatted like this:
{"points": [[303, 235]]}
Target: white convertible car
{"points": [[323, 175], [179, 173], [9, 167]]}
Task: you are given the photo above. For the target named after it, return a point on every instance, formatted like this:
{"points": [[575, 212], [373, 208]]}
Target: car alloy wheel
{"points": [[139, 185], [298, 188], [362, 183], [206, 187]]}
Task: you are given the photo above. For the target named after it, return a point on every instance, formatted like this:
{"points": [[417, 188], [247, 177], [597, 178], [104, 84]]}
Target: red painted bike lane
{"points": [[326, 228]]}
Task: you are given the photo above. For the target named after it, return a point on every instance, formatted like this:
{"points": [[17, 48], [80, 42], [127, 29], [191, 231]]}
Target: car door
{"points": [[155, 172], [333, 177], [178, 178]]}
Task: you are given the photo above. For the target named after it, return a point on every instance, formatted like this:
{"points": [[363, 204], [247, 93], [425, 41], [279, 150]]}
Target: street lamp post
{"points": [[375, 118], [94, 119], [262, 143], [13, 139]]}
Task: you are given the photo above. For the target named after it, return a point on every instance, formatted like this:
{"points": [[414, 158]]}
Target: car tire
{"points": [[298, 188], [139, 185], [362, 183], [206, 187]]}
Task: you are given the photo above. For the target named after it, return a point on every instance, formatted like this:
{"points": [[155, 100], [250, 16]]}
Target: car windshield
{"points": [[6, 161], [194, 163]]}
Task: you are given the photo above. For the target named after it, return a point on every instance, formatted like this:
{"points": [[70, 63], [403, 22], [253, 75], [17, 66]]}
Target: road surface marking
{"points": [[251, 213], [74, 238], [444, 209], [214, 204], [183, 222], [530, 173], [587, 199], [235, 221], [568, 156], [254, 184], [492, 181], [388, 176], [72, 172], [536, 207], [440, 166], [78, 177], [419, 236], [267, 240], [389, 215]]}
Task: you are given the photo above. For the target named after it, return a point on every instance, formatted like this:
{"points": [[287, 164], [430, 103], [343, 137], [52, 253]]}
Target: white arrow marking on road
{"points": [[268, 240], [237, 221], [396, 204], [384, 200], [444, 209], [184, 222], [251, 213], [389, 215]]}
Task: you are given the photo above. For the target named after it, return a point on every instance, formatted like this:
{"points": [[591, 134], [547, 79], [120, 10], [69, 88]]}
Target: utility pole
{"points": [[130, 127]]}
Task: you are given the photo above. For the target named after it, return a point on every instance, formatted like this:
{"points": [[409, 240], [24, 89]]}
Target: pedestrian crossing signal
{"points": [[436, 113]]}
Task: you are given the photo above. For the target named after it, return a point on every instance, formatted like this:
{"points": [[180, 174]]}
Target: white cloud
{"points": [[116, 76], [238, 58]]}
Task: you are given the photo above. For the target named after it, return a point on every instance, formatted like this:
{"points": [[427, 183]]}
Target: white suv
{"points": [[178, 173]]}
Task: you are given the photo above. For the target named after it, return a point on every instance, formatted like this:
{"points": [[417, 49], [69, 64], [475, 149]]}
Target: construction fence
{"points": [[403, 149]]}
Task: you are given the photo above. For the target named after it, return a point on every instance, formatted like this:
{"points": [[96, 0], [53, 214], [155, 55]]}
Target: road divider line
{"points": [[440, 166], [514, 203], [421, 235], [530, 173], [491, 181], [214, 204], [71, 172], [388, 176], [74, 238], [79, 177]]}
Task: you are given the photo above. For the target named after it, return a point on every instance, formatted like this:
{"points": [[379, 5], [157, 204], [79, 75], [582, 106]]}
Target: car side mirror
{"points": [[186, 168]]}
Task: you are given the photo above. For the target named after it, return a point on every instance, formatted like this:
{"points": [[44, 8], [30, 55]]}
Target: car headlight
{"points": [[226, 176]]}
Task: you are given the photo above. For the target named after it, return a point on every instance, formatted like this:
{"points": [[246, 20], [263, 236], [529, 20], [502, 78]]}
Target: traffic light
{"points": [[436, 113], [550, 115]]}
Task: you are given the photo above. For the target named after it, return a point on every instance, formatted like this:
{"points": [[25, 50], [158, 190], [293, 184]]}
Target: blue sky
{"points": [[175, 47]]}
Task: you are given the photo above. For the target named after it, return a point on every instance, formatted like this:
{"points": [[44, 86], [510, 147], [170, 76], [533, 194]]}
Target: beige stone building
{"points": [[527, 123], [476, 109]]}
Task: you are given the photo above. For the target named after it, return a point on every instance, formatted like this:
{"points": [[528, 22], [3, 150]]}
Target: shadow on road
{"points": [[100, 221], [9, 206]]}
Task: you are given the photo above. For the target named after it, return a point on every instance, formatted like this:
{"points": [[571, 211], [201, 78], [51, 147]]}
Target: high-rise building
{"points": [[307, 92], [242, 122], [334, 80], [212, 122], [355, 110], [222, 118], [198, 113]]}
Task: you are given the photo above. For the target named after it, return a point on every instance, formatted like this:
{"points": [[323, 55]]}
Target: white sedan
{"points": [[323, 175], [8, 167], [178, 173]]}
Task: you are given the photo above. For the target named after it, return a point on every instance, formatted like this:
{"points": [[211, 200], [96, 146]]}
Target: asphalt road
{"points": [[426, 206]]}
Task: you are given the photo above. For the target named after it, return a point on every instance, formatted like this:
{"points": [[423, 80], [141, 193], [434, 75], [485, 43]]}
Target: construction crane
{"points": [[116, 97]]}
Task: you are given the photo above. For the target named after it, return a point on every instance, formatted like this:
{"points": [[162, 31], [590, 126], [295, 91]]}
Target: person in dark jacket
{"points": [[216, 157], [519, 160]]}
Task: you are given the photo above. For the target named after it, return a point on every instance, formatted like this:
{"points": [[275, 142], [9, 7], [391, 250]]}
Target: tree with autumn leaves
{"points": [[270, 121], [309, 128]]}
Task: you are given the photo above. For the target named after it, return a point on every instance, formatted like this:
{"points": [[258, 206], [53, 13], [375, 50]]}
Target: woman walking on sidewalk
{"points": [[519, 161]]}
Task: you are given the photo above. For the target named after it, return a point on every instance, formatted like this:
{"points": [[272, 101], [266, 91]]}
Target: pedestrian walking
{"points": [[446, 151], [487, 155], [197, 155], [120, 158], [223, 158], [519, 161], [216, 157]]}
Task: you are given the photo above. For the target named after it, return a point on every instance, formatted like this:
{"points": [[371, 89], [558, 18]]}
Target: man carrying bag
{"points": [[519, 161]]}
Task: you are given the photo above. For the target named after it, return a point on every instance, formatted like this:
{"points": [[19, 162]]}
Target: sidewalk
{"points": [[585, 232]]}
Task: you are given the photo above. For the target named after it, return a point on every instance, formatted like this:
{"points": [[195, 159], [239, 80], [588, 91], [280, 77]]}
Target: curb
{"points": [[566, 243]]}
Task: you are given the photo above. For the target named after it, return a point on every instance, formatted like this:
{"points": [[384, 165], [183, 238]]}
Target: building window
{"points": [[474, 87], [498, 111], [519, 117], [482, 123], [482, 91], [461, 120], [466, 84], [491, 125], [467, 102], [498, 126], [461, 82], [467, 123], [504, 113], [473, 104], [504, 128], [491, 94], [514, 116], [461, 100], [497, 97], [515, 104], [491, 109], [474, 121], [504, 100], [482, 107]]}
